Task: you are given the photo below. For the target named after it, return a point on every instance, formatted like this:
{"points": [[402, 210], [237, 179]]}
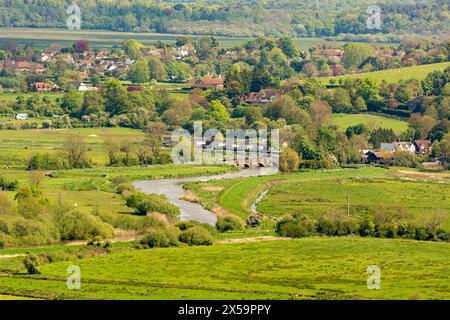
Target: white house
{"points": [[21, 116], [398, 146]]}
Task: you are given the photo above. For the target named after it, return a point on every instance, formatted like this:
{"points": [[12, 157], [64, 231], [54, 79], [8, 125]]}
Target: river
{"points": [[173, 189]]}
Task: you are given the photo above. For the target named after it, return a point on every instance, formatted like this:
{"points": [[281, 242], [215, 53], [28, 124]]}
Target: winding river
{"points": [[173, 189]]}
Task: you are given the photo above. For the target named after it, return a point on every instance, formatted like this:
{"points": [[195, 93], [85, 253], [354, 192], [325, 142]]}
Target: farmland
{"points": [[395, 75], [107, 39], [314, 268], [344, 121], [42, 38]]}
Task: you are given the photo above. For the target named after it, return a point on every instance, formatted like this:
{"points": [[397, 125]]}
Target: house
{"points": [[21, 116], [379, 157], [398, 146], [184, 51], [43, 86], [264, 96], [24, 66], [80, 86], [209, 83], [422, 146]]}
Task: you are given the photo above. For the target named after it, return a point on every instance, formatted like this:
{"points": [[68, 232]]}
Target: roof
{"points": [[425, 143]]}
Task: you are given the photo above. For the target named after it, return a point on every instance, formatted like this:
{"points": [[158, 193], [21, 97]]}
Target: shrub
{"points": [[253, 220], [229, 223], [366, 227], [79, 225], [337, 224], [47, 161], [159, 237], [185, 225], [196, 236], [31, 264], [316, 164], [123, 188], [296, 226], [8, 184], [152, 203], [289, 160]]}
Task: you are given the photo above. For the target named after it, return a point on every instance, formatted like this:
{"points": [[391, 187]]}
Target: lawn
{"points": [[344, 121], [395, 75], [11, 97], [309, 268]]}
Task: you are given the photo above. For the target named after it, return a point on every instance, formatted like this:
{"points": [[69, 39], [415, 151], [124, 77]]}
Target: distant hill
{"points": [[306, 18]]}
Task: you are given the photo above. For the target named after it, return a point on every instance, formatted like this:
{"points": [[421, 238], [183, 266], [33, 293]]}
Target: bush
{"points": [[289, 160], [8, 184], [229, 223], [47, 161], [296, 226], [144, 204], [159, 237], [185, 225], [196, 236], [31, 264], [123, 188], [316, 164], [5, 205], [337, 225], [79, 225]]}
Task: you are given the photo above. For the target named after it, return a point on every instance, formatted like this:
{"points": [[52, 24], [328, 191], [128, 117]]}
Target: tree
{"points": [[132, 48], [423, 124], [289, 160], [219, 112], [320, 112], [140, 72], [355, 54], [72, 103], [341, 101], [288, 47], [81, 46], [381, 135], [76, 152], [157, 69]]}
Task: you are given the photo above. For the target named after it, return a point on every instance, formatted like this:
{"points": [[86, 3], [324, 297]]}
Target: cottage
{"points": [[422, 146], [264, 96], [398, 146], [43, 86], [209, 83]]}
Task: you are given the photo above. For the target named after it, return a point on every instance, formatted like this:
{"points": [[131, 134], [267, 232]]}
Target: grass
{"points": [[319, 192], [43, 37], [344, 121], [17, 146], [310, 268], [11, 97], [395, 75]]}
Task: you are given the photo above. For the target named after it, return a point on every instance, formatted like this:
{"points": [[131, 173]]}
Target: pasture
{"points": [[310, 268], [394, 75], [319, 192], [17, 146], [344, 121]]}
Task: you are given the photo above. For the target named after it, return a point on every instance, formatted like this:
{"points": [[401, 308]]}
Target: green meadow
{"points": [[319, 192], [310, 268], [344, 121], [394, 75]]}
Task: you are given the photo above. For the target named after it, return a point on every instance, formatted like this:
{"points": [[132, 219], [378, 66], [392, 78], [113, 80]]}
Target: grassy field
{"points": [[344, 121], [319, 192], [395, 75], [42, 38], [17, 146], [11, 97], [310, 268]]}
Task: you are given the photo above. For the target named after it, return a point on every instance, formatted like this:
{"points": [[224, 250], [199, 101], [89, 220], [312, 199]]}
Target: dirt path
{"points": [[252, 239]]}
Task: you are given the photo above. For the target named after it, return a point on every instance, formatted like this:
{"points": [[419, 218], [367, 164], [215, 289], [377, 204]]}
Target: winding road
{"points": [[173, 189]]}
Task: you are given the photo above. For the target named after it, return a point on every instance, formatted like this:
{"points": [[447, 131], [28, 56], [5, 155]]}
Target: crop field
{"points": [[344, 121], [42, 38], [316, 193], [395, 75], [310, 268]]}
